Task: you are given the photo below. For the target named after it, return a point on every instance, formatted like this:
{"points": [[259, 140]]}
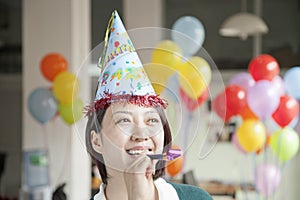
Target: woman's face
{"points": [[128, 131]]}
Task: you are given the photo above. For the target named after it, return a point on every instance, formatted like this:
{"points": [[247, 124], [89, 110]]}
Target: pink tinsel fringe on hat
{"points": [[144, 101]]}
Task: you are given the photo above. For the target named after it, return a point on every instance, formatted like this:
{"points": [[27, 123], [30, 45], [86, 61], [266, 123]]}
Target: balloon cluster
{"points": [[176, 59], [268, 107], [61, 99]]}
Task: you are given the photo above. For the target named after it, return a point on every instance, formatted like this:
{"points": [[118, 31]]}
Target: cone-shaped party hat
{"points": [[123, 77]]}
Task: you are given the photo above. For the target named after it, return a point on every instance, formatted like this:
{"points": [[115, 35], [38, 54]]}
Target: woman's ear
{"points": [[96, 141]]}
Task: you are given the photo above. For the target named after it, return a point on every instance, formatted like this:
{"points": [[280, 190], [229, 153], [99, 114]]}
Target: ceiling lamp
{"points": [[242, 25]]}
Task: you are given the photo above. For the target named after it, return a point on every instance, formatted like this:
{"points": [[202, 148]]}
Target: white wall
{"points": [[61, 26]]}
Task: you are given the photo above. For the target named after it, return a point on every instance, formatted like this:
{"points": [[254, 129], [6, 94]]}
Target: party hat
{"points": [[122, 76]]}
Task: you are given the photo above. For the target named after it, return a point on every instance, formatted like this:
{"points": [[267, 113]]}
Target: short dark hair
{"points": [[95, 123]]}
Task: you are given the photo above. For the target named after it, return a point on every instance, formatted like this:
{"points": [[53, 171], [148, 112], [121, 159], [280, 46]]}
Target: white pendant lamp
{"points": [[243, 24]]}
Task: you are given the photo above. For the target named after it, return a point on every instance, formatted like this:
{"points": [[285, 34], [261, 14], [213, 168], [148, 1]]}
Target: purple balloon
{"points": [[267, 179], [263, 99], [243, 79], [279, 85]]}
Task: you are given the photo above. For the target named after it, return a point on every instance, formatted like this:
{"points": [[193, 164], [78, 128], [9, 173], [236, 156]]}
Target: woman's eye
{"points": [[153, 120], [124, 120]]}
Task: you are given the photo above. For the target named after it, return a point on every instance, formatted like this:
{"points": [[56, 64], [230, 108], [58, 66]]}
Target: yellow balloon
{"points": [[65, 87], [251, 135], [158, 75], [167, 53], [194, 76], [71, 113]]}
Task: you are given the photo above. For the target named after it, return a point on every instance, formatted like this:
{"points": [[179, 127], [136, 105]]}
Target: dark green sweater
{"points": [[189, 192]]}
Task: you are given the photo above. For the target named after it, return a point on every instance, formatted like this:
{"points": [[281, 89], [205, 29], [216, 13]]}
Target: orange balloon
{"points": [[52, 64], [247, 113], [174, 167]]}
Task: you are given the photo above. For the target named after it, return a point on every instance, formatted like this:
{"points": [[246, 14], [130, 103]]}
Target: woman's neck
{"points": [[118, 188]]}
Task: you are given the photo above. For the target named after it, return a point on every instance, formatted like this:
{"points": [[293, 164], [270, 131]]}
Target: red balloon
{"points": [[263, 67], [192, 104], [219, 106], [52, 64], [236, 99], [287, 110]]}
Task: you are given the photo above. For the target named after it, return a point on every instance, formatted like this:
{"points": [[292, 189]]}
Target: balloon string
{"points": [[66, 156], [45, 134], [255, 174], [46, 147], [264, 175], [186, 134], [284, 192]]}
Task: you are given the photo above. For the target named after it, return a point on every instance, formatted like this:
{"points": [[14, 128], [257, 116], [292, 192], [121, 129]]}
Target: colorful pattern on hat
{"points": [[123, 76]]}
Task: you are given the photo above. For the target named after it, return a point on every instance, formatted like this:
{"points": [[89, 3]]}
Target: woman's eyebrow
{"points": [[122, 112], [151, 112]]}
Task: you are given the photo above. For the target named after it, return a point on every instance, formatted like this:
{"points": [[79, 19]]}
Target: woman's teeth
{"points": [[137, 152]]}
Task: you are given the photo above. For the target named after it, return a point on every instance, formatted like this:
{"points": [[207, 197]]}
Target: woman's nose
{"points": [[139, 134], [139, 138]]}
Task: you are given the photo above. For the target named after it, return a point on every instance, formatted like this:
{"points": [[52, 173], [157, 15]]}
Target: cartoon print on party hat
{"points": [[122, 74]]}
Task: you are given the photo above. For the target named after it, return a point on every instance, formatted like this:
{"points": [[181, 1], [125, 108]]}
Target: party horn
{"points": [[170, 155]]}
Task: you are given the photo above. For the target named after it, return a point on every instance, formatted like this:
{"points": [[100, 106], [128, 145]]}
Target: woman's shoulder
{"points": [[190, 192]]}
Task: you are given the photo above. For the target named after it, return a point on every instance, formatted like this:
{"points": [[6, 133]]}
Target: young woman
{"points": [[127, 125]]}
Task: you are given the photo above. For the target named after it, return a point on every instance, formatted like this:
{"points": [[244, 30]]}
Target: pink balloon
{"points": [[236, 143], [243, 79], [267, 179], [263, 99], [279, 85]]}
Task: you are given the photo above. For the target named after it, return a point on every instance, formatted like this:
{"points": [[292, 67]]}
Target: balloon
{"points": [[243, 79], [174, 167], [158, 75], [251, 135], [191, 104], [285, 143], [278, 84], [65, 87], [263, 99], [167, 53], [263, 67], [42, 105], [247, 113], [71, 113], [194, 76], [52, 64], [292, 82], [236, 99], [220, 108], [272, 126], [188, 32], [236, 144], [287, 110], [267, 179], [267, 143]]}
